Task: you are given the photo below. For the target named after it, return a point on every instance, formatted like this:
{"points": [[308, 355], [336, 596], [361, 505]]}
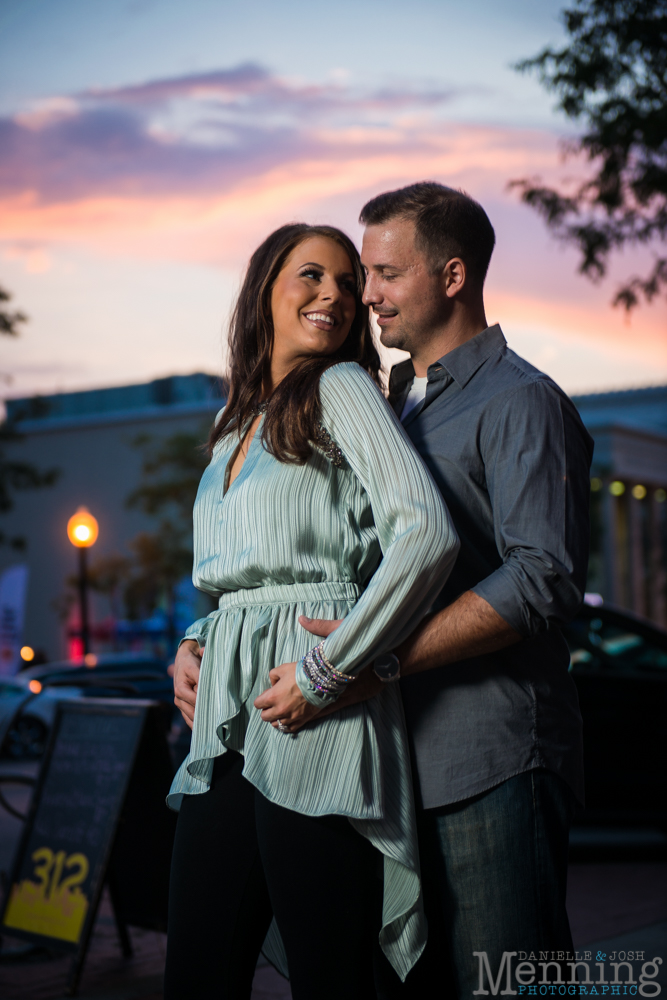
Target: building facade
{"points": [[628, 498], [97, 441]]}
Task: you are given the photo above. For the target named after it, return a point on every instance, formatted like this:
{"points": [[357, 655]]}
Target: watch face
{"points": [[387, 667]]}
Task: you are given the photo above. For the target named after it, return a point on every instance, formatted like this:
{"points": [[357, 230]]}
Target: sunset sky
{"points": [[146, 147]]}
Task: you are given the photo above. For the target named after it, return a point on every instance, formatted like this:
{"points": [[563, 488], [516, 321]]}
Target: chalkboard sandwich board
{"points": [[98, 815]]}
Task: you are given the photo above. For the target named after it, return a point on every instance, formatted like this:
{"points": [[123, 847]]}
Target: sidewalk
{"points": [[106, 973], [614, 906], [620, 907]]}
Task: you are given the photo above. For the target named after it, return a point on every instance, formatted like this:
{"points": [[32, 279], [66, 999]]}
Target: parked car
{"points": [[39, 689], [619, 664], [24, 736]]}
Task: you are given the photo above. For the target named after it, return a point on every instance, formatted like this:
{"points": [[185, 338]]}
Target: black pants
{"points": [[237, 860]]}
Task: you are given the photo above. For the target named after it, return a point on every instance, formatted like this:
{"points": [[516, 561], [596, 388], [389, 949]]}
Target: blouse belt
{"points": [[291, 593]]}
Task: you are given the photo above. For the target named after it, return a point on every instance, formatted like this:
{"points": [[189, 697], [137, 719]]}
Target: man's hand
{"points": [[283, 701], [320, 626], [186, 668]]}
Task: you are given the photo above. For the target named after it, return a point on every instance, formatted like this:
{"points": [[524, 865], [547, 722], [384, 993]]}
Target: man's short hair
{"points": [[448, 224]]}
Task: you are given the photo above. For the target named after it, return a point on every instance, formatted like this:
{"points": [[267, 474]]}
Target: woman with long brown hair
{"points": [[315, 504]]}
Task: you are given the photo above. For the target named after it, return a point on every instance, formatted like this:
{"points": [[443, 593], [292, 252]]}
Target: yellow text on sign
{"points": [[54, 904]]}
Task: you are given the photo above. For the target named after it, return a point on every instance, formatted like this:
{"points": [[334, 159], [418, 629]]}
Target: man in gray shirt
{"points": [[492, 712]]}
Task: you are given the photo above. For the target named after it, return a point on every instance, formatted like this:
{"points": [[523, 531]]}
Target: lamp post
{"points": [[82, 531]]}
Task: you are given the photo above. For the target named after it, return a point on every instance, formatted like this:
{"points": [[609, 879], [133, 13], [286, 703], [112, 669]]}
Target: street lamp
{"points": [[82, 531]]}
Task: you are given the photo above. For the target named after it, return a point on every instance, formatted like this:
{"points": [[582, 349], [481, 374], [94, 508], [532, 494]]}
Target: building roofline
{"points": [[620, 395], [47, 425], [629, 430]]}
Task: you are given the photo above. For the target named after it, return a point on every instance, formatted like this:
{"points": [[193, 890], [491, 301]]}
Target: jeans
{"points": [[494, 871]]}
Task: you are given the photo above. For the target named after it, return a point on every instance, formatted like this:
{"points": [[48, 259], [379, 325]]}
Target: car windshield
{"points": [[597, 643]]}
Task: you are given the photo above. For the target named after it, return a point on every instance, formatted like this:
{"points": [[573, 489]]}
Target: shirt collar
{"points": [[461, 363], [464, 361], [400, 374]]}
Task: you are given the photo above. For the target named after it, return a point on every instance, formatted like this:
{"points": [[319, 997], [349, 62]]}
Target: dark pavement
{"points": [[613, 906]]}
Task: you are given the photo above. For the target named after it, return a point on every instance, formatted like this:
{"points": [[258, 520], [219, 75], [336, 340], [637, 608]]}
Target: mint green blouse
{"points": [[370, 541]]}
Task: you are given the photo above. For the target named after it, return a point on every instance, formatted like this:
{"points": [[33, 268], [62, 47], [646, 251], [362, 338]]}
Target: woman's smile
{"points": [[322, 320]]}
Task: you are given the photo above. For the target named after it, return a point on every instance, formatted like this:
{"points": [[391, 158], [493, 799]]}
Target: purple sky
{"points": [[143, 154]]}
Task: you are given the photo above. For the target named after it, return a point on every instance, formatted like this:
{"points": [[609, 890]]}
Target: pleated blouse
{"points": [[369, 540]]}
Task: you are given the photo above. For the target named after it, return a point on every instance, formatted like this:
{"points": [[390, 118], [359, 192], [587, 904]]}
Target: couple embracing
{"points": [[386, 743]]}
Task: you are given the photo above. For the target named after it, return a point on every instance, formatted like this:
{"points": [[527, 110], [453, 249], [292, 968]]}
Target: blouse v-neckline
{"points": [[227, 486]]}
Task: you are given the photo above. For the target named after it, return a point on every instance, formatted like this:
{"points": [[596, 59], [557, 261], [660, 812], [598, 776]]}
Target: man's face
{"points": [[410, 303]]}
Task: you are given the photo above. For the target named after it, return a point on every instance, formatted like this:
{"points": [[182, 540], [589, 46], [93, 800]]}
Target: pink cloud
{"points": [[198, 154], [642, 336], [203, 132], [200, 168], [205, 221]]}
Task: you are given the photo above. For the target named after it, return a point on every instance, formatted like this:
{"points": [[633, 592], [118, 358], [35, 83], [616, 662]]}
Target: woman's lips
{"points": [[322, 320]]}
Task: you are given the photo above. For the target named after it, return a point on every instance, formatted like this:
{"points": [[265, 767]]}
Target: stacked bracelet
{"points": [[322, 674]]}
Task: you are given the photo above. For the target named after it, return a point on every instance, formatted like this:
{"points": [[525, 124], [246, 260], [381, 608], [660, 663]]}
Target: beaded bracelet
{"points": [[322, 674]]}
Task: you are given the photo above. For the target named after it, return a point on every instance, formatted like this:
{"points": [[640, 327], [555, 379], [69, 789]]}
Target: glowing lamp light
{"points": [[661, 496], [90, 660], [82, 529], [596, 484], [27, 653], [639, 492], [617, 488], [35, 686]]}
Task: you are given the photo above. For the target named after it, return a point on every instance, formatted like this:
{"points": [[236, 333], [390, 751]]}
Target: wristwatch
{"points": [[387, 668]]}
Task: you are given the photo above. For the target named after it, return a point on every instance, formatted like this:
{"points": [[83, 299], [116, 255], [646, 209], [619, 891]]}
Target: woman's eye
{"points": [[311, 274]]}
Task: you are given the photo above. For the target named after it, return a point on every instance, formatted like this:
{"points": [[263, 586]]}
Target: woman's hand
{"points": [[186, 668], [283, 701]]}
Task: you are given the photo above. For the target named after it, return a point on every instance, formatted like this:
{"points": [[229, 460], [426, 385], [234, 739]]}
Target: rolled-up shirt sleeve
{"points": [[537, 457]]}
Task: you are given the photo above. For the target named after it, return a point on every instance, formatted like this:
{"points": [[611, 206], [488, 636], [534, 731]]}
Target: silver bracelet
{"points": [[322, 674]]}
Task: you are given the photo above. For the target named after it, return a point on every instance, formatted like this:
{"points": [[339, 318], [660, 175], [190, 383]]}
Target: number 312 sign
{"points": [[53, 904]]}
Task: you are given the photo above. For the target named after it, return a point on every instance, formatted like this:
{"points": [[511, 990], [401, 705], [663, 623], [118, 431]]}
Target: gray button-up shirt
{"points": [[511, 457]]}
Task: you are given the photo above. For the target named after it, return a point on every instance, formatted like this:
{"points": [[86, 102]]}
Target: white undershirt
{"points": [[415, 396]]}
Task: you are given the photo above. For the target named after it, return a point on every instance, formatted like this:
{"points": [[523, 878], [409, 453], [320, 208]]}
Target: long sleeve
{"points": [[537, 459], [418, 540], [199, 629]]}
